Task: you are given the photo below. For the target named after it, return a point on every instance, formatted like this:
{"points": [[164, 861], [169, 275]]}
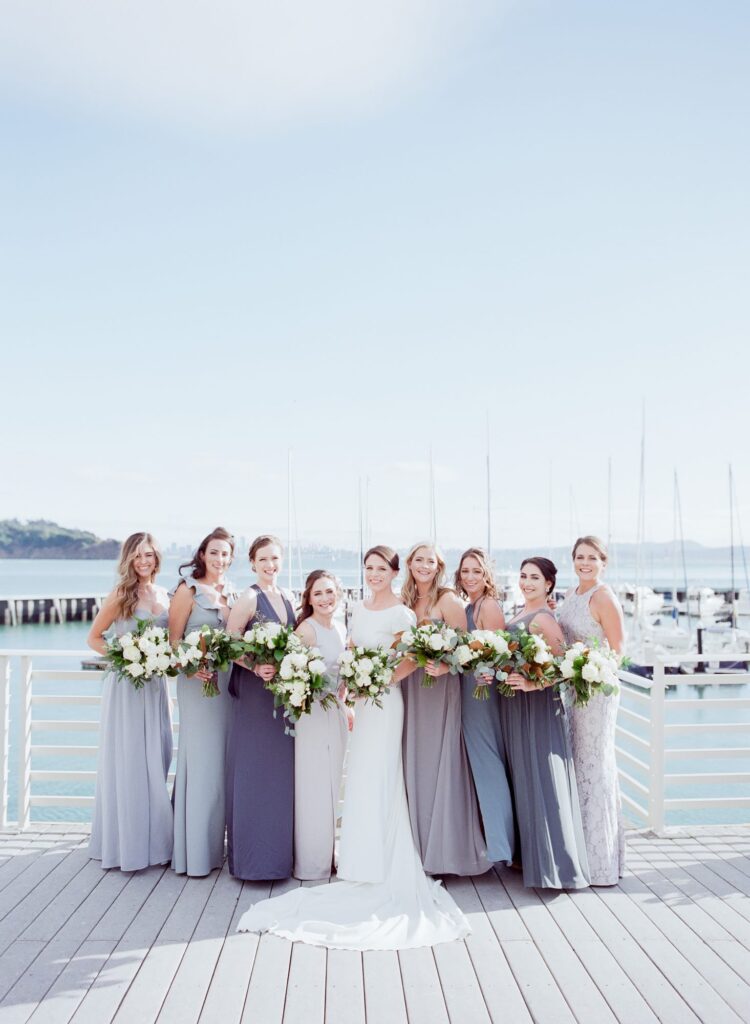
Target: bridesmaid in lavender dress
{"points": [[439, 787], [589, 612], [260, 757], [132, 824], [320, 737], [203, 597]]}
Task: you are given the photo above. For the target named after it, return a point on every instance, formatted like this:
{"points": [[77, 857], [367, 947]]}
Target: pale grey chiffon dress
{"points": [[543, 784], [199, 793], [443, 806], [319, 748], [132, 823], [592, 738]]}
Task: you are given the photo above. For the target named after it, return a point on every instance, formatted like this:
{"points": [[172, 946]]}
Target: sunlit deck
{"points": [[670, 943]]}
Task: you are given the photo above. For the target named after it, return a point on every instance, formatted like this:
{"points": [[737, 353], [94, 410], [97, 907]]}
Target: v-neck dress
{"points": [[259, 772]]}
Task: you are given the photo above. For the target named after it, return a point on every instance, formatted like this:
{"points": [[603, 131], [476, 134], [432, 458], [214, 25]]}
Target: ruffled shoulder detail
{"points": [[204, 595]]}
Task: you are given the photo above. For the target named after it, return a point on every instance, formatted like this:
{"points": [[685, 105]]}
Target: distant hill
{"points": [[40, 538]]}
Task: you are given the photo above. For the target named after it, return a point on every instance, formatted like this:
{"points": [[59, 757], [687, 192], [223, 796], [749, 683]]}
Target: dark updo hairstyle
{"points": [[262, 542], [387, 554], [197, 564], [306, 608], [546, 567]]}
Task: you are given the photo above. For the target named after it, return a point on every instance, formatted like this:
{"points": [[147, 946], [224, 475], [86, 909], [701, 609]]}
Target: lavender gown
{"points": [[260, 773]]}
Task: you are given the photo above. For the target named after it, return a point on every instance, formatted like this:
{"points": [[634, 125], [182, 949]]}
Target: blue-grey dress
{"points": [[543, 783], [260, 773], [480, 721], [198, 796], [132, 823]]}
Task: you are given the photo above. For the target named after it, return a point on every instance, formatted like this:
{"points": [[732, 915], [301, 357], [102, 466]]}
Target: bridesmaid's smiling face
{"points": [[472, 578], [267, 564], [378, 574], [324, 596], [588, 563], [534, 586], [424, 565], [217, 559], [144, 562]]}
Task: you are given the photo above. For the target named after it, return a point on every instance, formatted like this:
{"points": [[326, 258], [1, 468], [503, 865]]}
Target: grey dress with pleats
{"points": [[480, 721], [442, 800], [199, 795], [543, 783], [132, 823]]}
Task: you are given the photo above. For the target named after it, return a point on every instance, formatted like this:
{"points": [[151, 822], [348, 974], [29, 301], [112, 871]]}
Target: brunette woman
{"points": [[442, 799], [132, 825], [540, 762], [260, 758], [480, 719], [203, 597], [592, 613], [320, 737]]}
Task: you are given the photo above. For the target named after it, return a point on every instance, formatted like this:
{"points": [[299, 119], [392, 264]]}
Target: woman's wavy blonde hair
{"points": [[126, 589], [488, 576], [409, 594]]}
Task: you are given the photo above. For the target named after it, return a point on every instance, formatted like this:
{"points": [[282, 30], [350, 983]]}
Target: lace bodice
{"points": [[575, 618]]}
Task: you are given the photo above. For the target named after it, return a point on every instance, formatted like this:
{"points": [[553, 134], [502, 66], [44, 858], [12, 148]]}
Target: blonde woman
{"points": [[132, 825], [589, 612], [439, 787]]}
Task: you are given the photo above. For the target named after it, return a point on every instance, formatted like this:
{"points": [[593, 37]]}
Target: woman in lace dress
{"points": [[592, 612]]}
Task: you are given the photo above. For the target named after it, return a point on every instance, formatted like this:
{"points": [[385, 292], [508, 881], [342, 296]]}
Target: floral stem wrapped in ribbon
{"points": [[142, 654], [300, 681], [367, 673], [586, 670], [432, 641], [533, 659], [492, 655], [210, 649]]}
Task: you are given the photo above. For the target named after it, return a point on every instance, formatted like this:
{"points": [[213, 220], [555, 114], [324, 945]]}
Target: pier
{"points": [[65, 608]]}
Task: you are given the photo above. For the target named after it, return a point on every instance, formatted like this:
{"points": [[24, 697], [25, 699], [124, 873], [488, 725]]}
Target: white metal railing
{"points": [[645, 729], [643, 740]]}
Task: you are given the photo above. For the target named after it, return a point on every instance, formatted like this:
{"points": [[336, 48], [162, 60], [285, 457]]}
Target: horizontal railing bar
{"points": [[686, 727], [630, 677], [633, 738], [636, 761], [689, 803], [54, 723], [645, 698], [43, 675], [634, 782], [634, 804], [634, 715], [62, 698], [718, 752], [51, 751], [39, 775], [708, 778], [50, 800], [727, 703], [35, 652]]}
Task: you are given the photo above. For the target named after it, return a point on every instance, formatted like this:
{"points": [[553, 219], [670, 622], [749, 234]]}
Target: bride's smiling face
{"points": [[378, 574]]}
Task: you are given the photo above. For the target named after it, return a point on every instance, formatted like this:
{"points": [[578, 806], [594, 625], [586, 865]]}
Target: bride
{"points": [[385, 900]]}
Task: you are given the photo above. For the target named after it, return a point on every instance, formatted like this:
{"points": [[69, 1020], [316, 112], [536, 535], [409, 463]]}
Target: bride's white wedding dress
{"points": [[385, 900]]}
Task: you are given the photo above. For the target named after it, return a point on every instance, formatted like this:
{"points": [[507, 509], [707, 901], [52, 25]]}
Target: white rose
{"points": [[126, 640], [346, 658], [365, 666], [500, 645], [464, 654], [147, 645], [317, 666], [152, 664], [131, 654], [385, 676], [193, 638], [135, 670], [297, 696], [449, 634], [372, 690], [435, 642], [590, 673], [163, 661], [273, 628], [298, 659], [566, 668]]}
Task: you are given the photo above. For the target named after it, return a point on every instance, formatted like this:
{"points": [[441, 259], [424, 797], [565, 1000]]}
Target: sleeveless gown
{"points": [[319, 747], [592, 738], [442, 800], [198, 797], [132, 823], [260, 772], [543, 783], [480, 721], [387, 901]]}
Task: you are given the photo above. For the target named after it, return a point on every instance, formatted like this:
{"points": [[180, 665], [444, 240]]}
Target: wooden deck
{"points": [[670, 943]]}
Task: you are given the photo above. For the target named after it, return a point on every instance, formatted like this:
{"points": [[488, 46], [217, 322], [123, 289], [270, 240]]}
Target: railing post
{"points": [[24, 765], [658, 759], [4, 736]]}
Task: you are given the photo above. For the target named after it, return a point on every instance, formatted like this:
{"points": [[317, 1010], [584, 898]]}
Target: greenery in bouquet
{"points": [[143, 654], [210, 649], [493, 652], [367, 673], [266, 643], [432, 641], [533, 659], [588, 669], [300, 681]]}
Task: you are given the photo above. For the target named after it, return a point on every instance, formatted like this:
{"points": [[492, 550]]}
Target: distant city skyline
{"points": [[358, 234]]}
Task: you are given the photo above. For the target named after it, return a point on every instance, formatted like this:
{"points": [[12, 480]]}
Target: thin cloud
{"points": [[233, 62]]}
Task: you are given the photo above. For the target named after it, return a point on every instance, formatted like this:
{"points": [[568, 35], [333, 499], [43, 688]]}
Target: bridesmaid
{"points": [[320, 737], [203, 597], [132, 826], [592, 612], [442, 800], [540, 763], [480, 719], [260, 757]]}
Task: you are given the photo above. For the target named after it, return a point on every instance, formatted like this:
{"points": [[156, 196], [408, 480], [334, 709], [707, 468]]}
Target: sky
{"points": [[369, 235]]}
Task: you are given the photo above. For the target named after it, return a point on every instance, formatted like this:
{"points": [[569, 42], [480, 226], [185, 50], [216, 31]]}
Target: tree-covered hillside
{"points": [[41, 539]]}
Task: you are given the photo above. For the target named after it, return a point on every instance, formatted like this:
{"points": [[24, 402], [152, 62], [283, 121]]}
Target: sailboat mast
{"points": [[361, 541], [433, 513], [489, 493], [289, 517], [731, 543], [682, 547]]}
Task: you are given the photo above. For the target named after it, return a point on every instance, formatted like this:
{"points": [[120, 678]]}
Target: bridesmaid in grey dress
{"points": [[480, 719], [132, 824], [320, 737], [203, 597], [540, 763], [589, 612], [442, 800]]}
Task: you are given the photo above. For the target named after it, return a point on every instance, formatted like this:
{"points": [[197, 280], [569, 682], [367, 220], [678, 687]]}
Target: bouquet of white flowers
{"points": [[210, 649], [142, 654], [533, 659], [492, 655], [431, 641], [266, 643], [587, 670], [300, 681], [367, 673]]}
